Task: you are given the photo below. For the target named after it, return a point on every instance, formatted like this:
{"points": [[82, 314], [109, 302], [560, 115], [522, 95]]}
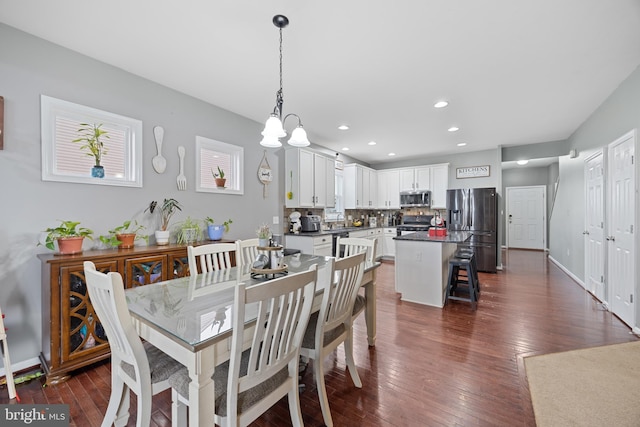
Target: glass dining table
{"points": [[189, 318]]}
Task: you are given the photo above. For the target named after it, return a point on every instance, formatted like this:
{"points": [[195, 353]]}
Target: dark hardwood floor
{"points": [[430, 366]]}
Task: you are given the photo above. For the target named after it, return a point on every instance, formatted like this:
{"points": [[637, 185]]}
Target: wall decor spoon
{"points": [[159, 163]]}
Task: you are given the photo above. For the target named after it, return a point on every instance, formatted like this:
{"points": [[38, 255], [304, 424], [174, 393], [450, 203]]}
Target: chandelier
{"points": [[274, 127]]}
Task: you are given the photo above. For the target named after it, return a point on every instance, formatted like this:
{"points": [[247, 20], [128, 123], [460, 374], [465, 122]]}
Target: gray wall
{"points": [[29, 67], [617, 115], [523, 177]]}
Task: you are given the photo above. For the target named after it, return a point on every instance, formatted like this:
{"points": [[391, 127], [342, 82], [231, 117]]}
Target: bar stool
{"points": [[462, 287], [468, 253]]}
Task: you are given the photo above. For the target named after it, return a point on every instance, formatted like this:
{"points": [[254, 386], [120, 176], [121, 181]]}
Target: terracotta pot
{"points": [[127, 240], [220, 182], [70, 245]]}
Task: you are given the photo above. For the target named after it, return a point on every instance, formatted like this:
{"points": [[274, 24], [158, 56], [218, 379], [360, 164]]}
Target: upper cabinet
{"points": [[418, 178], [439, 179], [389, 189], [360, 187], [309, 179]]}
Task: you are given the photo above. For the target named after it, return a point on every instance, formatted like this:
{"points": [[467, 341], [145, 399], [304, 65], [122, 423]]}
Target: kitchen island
{"points": [[422, 265]]}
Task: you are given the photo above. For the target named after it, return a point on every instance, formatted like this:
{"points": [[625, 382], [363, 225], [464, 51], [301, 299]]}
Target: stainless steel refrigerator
{"points": [[476, 210]]}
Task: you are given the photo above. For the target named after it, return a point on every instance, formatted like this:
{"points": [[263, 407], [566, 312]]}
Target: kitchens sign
{"points": [[472, 172]]}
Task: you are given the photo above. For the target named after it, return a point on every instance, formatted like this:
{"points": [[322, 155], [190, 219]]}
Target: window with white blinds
{"points": [[63, 159], [211, 154]]}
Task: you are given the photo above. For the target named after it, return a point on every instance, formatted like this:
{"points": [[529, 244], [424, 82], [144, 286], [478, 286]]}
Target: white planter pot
{"points": [[162, 237]]}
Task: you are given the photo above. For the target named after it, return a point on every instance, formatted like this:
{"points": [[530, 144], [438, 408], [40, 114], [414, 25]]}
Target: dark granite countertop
{"points": [[423, 236], [334, 231]]}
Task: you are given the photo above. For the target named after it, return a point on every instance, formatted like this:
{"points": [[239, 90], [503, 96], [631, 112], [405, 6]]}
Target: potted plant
{"points": [[189, 231], [264, 234], [90, 135], [215, 231], [124, 235], [167, 210], [69, 237], [219, 177]]}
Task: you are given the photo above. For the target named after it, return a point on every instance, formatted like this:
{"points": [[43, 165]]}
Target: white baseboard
{"points": [[15, 367], [567, 272]]}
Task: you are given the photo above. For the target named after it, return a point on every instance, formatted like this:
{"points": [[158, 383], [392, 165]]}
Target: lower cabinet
{"points": [[315, 245], [72, 336], [389, 245]]}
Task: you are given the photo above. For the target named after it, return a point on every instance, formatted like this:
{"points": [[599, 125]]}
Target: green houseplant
{"points": [[68, 236], [264, 234], [215, 231], [189, 231], [168, 208], [124, 235], [219, 177], [91, 136]]}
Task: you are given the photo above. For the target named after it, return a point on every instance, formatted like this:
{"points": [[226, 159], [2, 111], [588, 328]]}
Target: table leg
{"points": [[370, 309], [201, 388]]}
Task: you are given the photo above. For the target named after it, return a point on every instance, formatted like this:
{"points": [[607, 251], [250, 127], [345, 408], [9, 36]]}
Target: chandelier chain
{"points": [[279, 96]]}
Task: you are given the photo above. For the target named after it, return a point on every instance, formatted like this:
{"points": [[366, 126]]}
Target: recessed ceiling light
{"points": [[391, 154], [453, 129], [343, 127], [372, 143], [522, 162], [461, 144], [440, 104], [345, 148]]}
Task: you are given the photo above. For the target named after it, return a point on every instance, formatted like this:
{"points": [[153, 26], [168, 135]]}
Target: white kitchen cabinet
{"points": [[439, 185], [306, 179], [388, 245], [389, 189], [307, 244], [360, 187], [418, 178], [374, 233], [331, 183]]}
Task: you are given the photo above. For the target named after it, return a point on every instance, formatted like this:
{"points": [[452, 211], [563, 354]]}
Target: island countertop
{"points": [[423, 236]]}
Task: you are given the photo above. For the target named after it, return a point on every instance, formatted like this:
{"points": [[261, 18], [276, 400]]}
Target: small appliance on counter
{"points": [[294, 222], [310, 223], [373, 221]]}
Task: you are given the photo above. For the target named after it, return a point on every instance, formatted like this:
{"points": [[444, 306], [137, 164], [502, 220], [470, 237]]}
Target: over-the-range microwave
{"points": [[416, 198]]}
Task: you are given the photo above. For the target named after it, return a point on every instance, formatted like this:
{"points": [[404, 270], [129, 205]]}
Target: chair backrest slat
{"points": [[211, 257], [354, 245]]}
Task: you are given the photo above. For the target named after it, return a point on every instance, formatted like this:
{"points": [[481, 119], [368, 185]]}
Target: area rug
{"points": [[597, 386]]}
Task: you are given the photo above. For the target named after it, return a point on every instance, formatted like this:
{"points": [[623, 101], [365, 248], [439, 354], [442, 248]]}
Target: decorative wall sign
{"points": [[473, 171], [264, 174]]}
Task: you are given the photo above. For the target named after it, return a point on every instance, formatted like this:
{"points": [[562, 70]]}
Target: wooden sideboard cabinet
{"points": [[72, 336]]}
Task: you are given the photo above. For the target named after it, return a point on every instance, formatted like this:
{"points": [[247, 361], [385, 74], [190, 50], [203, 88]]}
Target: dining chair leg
{"points": [[178, 410], [322, 390], [294, 401], [144, 408], [116, 401], [351, 364]]}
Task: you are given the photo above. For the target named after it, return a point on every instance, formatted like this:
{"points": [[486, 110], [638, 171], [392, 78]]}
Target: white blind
{"points": [[209, 162]]}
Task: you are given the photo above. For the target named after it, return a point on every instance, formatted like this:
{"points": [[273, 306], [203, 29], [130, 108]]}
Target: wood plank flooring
{"points": [[430, 367]]}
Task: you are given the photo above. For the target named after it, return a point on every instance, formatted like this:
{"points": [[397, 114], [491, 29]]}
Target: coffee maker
{"points": [[294, 222]]}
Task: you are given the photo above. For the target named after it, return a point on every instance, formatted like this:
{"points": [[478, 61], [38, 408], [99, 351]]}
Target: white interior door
{"points": [[620, 227], [526, 216], [594, 254]]}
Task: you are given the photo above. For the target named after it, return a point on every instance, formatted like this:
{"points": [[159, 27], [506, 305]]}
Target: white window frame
{"points": [[237, 159], [51, 108]]}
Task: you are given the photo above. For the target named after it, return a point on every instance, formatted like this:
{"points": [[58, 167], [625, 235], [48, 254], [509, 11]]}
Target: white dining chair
{"points": [[246, 251], [255, 379], [214, 256], [8, 370], [137, 367], [331, 326], [352, 246]]}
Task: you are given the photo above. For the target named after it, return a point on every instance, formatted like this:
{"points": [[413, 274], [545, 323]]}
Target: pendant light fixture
{"points": [[274, 127]]}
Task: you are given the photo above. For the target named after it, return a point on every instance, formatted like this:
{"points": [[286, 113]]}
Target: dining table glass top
{"points": [[196, 310]]}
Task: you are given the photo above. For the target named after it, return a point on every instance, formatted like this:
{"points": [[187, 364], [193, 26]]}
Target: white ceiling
{"points": [[514, 71]]}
